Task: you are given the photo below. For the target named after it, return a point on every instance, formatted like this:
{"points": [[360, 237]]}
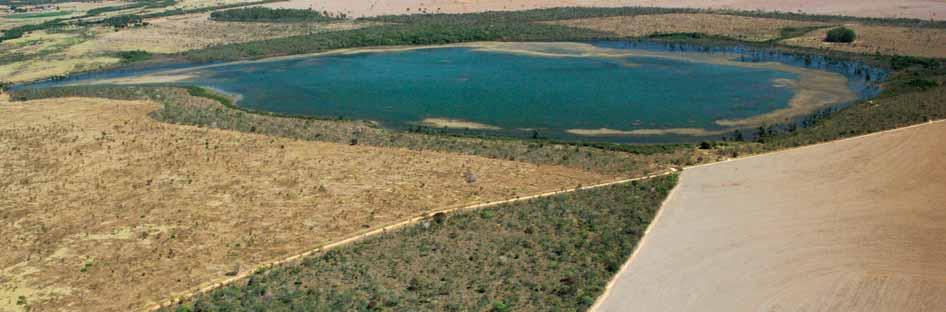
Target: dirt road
{"points": [[854, 225]]}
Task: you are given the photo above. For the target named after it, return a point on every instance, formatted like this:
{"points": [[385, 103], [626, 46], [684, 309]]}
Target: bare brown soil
{"points": [[105, 209], [853, 225], [738, 27], [922, 9], [884, 40]]}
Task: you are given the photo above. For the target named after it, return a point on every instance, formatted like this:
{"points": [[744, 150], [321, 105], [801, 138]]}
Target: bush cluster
{"points": [[841, 35]]}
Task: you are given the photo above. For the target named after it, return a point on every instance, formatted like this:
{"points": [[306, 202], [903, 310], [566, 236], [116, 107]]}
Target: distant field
{"points": [[921, 9], [38, 15], [852, 225], [736, 27], [106, 209], [196, 31], [890, 40]]}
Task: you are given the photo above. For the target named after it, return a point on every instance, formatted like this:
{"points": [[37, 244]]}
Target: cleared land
{"points": [[105, 209], [197, 31], [922, 9], [43, 54], [737, 27], [854, 225], [887, 40]]}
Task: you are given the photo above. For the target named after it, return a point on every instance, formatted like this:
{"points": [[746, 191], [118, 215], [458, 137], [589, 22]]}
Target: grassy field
{"points": [[555, 253], [887, 40], [196, 31], [106, 209]]}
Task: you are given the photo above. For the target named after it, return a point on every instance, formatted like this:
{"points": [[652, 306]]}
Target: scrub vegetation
{"points": [[262, 14], [555, 253]]}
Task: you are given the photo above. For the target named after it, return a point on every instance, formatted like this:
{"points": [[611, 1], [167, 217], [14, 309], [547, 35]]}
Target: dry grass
{"points": [[46, 67], [738, 27], [887, 40], [854, 225], [77, 8], [46, 54], [105, 209], [196, 31]]}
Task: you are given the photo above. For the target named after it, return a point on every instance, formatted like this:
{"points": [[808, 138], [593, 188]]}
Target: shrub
{"points": [[842, 35], [134, 56], [122, 21], [922, 84]]}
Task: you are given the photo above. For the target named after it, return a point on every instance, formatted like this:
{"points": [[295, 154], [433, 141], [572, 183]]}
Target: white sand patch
{"points": [[457, 124]]}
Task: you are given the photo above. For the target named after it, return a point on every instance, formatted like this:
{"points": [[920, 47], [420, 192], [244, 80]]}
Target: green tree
{"points": [[842, 35]]}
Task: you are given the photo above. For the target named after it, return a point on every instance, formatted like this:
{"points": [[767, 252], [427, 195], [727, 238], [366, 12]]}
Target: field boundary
{"points": [[643, 240], [627, 263], [858, 137], [396, 226], [417, 219]]}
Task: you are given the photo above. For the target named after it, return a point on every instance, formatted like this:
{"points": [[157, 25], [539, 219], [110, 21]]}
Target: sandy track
{"points": [[922, 9], [854, 225], [104, 209]]}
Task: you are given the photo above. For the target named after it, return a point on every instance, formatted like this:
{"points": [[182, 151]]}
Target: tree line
{"points": [[262, 14]]}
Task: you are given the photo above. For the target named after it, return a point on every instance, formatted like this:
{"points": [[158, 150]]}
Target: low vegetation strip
{"points": [[737, 27], [261, 14], [552, 253]]}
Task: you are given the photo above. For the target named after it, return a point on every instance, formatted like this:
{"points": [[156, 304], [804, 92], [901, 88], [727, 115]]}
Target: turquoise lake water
{"points": [[508, 91], [517, 93]]}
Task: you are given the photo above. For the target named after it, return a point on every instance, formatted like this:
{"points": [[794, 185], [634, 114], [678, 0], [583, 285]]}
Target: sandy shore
{"points": [[922, 9], [646, 132], [853, 225], [457, 124]]}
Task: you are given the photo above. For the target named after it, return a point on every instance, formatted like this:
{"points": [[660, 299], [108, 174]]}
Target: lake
{"points": [[602, 91]]}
